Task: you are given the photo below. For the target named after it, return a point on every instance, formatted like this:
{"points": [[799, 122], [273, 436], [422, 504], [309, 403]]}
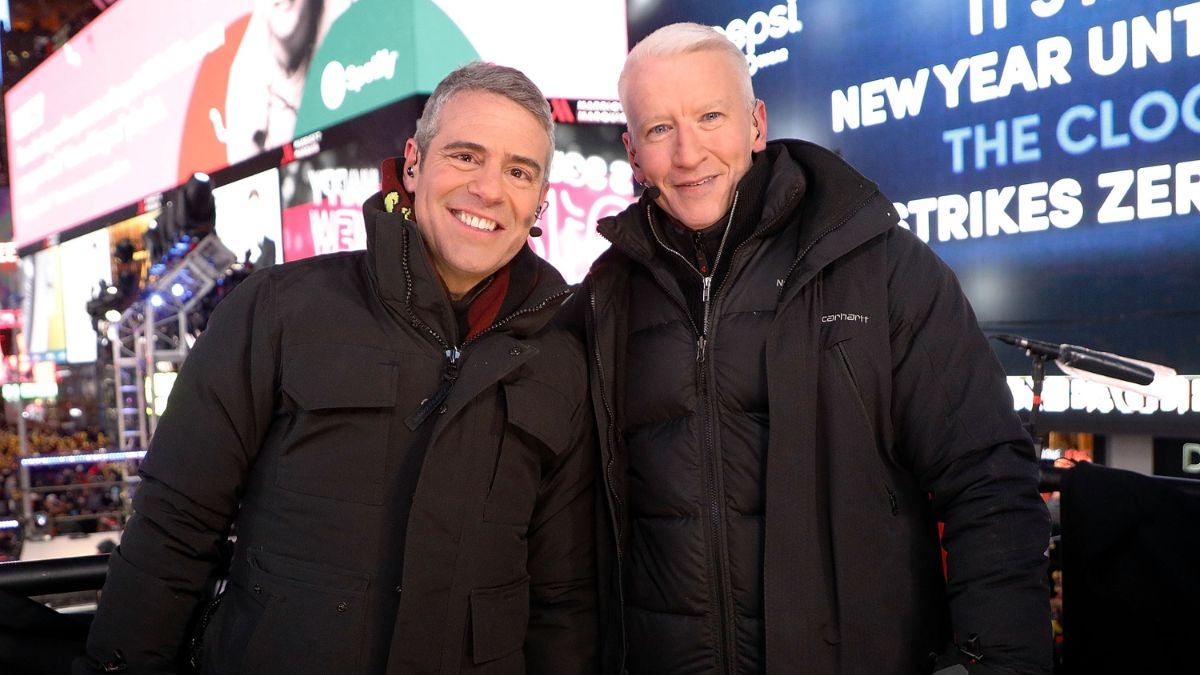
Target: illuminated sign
{"points": [[151, 91], [1179, 395], [583, 189], [1046, 150], [25, 391], [761, 27]]}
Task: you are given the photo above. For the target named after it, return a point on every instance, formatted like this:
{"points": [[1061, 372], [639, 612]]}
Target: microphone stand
{"points": [[1039, 376]]}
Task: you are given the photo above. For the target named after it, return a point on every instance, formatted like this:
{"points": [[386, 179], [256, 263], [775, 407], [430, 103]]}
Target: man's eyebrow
{"points": [[528, 162], [465, 145]]}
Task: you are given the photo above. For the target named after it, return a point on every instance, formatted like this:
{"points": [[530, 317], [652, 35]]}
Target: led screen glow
{"points": [[153, 90], [248, 220], [1048, 150]]}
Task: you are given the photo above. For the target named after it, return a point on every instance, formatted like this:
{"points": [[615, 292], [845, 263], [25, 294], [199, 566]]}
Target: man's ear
{"points": [[411, 161], [638, 176], [759, 115]]}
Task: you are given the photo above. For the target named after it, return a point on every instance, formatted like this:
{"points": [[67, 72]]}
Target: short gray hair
{"points": [[510, 83], [686, 38]]}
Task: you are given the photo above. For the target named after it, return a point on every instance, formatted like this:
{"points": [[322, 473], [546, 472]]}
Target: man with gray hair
{"points": [[398, 439], [792, 393]]}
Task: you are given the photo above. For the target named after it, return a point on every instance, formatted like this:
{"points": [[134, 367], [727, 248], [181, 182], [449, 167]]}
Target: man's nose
{"points": [[487, 184], [689, 151]]}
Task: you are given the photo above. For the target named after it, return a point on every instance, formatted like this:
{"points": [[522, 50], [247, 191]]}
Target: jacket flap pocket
{"points": [[540, 411], [305, 574], [321, 376], [499, 620]]}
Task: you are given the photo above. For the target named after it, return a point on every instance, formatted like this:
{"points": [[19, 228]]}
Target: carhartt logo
{"points": [[841, 316]]}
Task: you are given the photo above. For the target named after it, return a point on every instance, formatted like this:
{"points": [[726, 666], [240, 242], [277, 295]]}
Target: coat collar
{"points": [[806, 186]]}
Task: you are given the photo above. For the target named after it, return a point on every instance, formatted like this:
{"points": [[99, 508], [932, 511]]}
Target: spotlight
{"points": [[156, 300], [178, 290]]}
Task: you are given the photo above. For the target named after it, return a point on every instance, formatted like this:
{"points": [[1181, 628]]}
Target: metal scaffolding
{"points": [[154, 331]]}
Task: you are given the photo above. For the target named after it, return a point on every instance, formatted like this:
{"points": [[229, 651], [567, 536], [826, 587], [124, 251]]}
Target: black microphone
{"points": [[652, 192], [1084, 359]]}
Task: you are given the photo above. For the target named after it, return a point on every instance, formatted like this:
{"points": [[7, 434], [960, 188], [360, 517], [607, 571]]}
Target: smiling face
{"points": [[478, 185], [691, 132]]}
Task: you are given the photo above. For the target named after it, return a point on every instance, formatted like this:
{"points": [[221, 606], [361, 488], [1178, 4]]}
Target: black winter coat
{"points": [[288, 419], [887, 412]]}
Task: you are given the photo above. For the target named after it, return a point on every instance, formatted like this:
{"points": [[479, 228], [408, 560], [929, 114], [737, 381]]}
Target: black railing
{"points": [[56, 575]]}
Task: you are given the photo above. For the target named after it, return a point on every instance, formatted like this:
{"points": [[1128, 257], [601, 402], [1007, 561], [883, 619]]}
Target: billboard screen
{"points": [[590, 178], [154, 90], [248, 218], [1048, 150]]}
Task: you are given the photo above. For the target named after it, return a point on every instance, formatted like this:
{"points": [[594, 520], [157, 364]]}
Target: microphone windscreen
{"points": [[652, 192]]}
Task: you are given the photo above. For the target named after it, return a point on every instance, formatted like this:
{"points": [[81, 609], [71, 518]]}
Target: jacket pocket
{"points": [[539, 420], [344, 400], [877, 461], [313, 619], [499, 620], [541, 412]]}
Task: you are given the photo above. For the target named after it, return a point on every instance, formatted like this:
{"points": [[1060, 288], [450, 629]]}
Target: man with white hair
{"points": [[792, 392]]}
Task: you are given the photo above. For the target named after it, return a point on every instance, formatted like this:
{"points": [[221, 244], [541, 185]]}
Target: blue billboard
{"points": [[1048, 150]]}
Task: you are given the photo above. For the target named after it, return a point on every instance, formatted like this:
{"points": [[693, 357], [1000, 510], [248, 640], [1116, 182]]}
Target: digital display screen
{"points": [[151, 92], [1048, 150], [248, 219]]}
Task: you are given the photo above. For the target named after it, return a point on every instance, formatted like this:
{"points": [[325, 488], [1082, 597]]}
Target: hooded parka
{"points": [[404, 500], [778, 450]]}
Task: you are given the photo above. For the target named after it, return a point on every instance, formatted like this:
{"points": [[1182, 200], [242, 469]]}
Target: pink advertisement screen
{"points": [[154, 90]]}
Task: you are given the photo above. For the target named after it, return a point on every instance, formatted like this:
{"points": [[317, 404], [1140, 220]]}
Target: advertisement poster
{"points": [[154, 90], [590, 178]]}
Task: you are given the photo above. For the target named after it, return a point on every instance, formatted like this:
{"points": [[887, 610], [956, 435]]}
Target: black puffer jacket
{"points": [[291, 418], [775, 486]]}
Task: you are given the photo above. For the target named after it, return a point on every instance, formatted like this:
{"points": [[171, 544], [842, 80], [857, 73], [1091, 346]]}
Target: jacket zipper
{"points": [[453, 355], [618, 506], [197, 642], [719, 587], [610, 432]]}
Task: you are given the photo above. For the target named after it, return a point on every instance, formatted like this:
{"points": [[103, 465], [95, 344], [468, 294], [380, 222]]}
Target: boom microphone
{"points": [[1084, 359]]}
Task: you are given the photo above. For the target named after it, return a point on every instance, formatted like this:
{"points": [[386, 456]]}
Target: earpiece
{"points": [[409, 171]]}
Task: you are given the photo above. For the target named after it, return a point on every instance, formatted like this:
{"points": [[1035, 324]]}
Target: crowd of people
{"points": [[75, 497]]}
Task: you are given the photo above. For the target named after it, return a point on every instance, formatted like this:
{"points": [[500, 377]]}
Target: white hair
{"points": [[686, 38]]}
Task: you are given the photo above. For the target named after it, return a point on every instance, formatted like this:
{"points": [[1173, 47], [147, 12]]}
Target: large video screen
{"points": [[332, 172], [1048, 150], [59, 282], [86, 267], [152, 91], [248, 220], [590, 178]]}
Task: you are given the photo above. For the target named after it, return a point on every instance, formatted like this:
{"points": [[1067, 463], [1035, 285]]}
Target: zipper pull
{"points": [[707, 289], [701, 348], [438, 397]]}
